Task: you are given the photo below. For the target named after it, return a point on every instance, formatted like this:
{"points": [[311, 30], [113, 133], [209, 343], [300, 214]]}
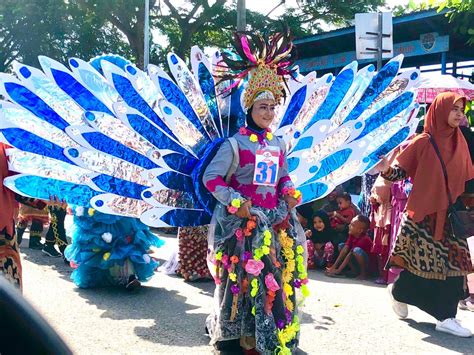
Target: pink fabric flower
{"points": [[239, 234], [232, 209], [271, 283], [285, 190], [242, 130], [254, 267]]}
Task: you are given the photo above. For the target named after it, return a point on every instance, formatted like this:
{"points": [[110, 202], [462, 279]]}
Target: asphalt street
{"points": [[166, 316]]}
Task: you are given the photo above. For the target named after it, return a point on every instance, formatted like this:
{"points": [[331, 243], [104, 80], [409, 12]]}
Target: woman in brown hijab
{"points": [[434, 261], [10, 264]]}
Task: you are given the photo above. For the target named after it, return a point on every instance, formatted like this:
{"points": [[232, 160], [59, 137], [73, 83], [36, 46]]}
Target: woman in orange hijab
{"points": [[10, 264], [434, 261]]}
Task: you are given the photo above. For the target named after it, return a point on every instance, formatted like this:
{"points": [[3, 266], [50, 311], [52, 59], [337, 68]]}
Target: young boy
{"points": [[341, 218], [355, 253]]}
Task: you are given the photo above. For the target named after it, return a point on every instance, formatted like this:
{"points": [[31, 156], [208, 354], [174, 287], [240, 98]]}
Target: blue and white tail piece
{"points": [[105, 134]]}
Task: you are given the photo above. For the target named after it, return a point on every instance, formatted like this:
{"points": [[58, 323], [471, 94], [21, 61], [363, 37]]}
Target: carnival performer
{"points": [[256, 242], [110, 250], [37, 219], [434, 260]]}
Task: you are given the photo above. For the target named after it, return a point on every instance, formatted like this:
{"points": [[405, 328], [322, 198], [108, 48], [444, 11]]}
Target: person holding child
{"points": [[355, 253], [341, 218]]}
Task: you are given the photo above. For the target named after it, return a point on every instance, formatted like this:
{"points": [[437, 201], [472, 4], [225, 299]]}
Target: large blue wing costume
{"points": [[106, 135]]}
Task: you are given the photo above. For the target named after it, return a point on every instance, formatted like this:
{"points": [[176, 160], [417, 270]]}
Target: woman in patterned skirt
{"points": [[433, 260]]}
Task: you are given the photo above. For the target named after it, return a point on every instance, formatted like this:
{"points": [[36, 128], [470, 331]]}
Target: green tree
{"points": [[461, 14]]}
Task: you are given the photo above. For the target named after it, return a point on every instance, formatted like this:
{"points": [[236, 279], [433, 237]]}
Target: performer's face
{"points": [[263, 112]]}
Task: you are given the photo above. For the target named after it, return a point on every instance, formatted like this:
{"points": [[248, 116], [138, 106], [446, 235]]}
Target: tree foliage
{"points": [[86, 28]]}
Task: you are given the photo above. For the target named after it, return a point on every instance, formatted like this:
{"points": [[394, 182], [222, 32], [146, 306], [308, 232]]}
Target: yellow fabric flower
{"points": [[219, 255], [290, 265], [253, 310], [288, 289], [91, 212], [303, 275], [300, 249], [257, 254], [254, 283], [288, 253], [269, 136], [253, 292], [286, 276], [267, 233], [106, 256], [289, 305], [299, 259], [265, 250], [233, 276], [300, 268], [297, 194], [253, 138], [267, 241], [235, 203]]}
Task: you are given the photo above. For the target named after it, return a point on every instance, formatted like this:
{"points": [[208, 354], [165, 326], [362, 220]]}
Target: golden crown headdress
{"points": [[265, 62]]}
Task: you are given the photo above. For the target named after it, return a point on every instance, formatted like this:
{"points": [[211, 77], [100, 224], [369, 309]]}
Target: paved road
{"points": [[167, 315]]}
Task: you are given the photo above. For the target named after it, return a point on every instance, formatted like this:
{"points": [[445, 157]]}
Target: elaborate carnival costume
{"points": [[109, 250], [108, 136]]}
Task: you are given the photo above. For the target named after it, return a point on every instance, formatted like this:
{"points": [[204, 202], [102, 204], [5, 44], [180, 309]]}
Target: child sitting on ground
{"points": [[355, 253], [320, 241], [341, 218]]}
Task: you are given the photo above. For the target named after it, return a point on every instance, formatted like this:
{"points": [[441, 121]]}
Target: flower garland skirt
{"points": [[259, 267]]}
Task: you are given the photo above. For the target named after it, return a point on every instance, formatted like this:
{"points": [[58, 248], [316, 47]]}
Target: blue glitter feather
{"points": [[181, 217], [312, 191], [30, 142], [119, 187], [180, 163], [330, 164], [294, 107], [303, 143], [378, 84], [293, 163], [336, 93], [42, 188], [207, 84], [237, 115], [78, 92], [388, 146], [35, 105], [386, 113], [153, 135], [107, 145], [133, 99], [174, 95]]}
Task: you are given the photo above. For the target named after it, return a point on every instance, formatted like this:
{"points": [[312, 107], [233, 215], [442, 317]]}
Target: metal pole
{"points": [[146, 36], [443, 62], [241, 18], [379, 43]]}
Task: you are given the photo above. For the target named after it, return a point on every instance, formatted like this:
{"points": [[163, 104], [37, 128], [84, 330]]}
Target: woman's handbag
{"points": [[460, 220]]}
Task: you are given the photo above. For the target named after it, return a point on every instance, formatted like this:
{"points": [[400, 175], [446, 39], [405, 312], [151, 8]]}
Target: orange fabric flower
{"points": [[234, 259]]}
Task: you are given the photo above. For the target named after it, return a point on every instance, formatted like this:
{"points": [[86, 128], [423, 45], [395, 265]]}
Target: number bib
{"points": [[266, 166]]}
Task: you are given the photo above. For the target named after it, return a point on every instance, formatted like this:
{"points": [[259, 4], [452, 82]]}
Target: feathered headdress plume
{"points": [[265, 61]]}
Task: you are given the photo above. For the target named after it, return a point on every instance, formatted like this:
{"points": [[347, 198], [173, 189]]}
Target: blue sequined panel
{"points": [[206, 82], [176, 181], [330, 164], [237, 115], [180, 163], [294, 107], [386, 113], [174, 95], [336, 93], [379, 83], [119, 186], [43, 188], [388, 146], [303, 143], [33, 103], [293, 163], [29, 142], [154, 135], [78, 92], [312, 191], [109, 146], [125, 88], [182, 218]]}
